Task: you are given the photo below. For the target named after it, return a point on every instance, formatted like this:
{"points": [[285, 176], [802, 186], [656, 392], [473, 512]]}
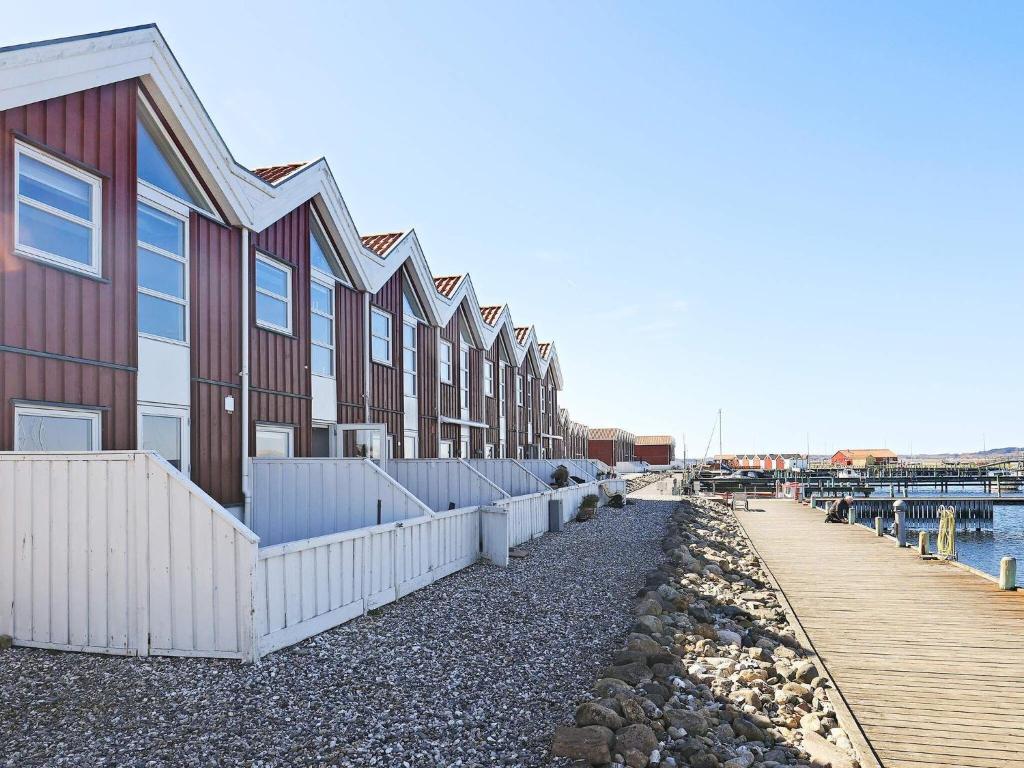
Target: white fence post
{"points": [[494, 527]]}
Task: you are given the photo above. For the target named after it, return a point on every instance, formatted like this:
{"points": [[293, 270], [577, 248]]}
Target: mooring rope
{"points": [[946, 544]]}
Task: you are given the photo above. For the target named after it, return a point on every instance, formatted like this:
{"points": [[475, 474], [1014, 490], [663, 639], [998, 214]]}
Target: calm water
{"points": [[980, 549]]}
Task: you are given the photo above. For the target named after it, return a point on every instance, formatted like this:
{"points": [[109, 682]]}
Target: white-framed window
{"points": [[543, 399], [464, 448], [323, 259], [411, 445], [164, 429], [53, 428], [391, 446], [444, 450], [444, 358], [275, 441], [502, 376], [273, 294], [321, 308], [489, 451], [58, 210], [161, 252], [323, 442], [464, 381], [158, 163], [410, 362], [380, 336], [488, 378], [519, 451], [519, 390]]}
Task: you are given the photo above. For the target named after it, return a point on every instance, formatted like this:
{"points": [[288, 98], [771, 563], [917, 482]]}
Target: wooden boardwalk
{"points": [[928, 656]]}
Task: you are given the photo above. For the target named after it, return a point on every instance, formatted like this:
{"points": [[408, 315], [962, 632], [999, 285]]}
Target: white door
{"points": [[165, 430]]}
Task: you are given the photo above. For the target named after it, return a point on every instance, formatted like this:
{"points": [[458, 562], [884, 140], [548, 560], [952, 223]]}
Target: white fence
{"points": [[577, 468], [542, 468], [508, 474], [440, 483], [297, 499], [528, 515], [306, 587], [118, 553]]}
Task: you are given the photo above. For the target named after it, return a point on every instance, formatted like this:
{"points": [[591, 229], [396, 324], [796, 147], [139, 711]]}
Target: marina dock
{"points": [[925, 655]]}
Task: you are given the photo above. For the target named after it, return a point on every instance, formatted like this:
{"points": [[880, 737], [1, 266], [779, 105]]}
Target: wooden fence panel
{"points": [[439, 483], [509, 475]]}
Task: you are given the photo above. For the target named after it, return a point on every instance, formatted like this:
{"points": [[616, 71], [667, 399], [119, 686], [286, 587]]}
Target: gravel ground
{"points": [[475, 670]]}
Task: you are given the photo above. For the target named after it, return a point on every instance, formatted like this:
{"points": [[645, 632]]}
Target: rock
{"points": [[637, 737], [611, 687], [648, 607], [518, 554], [747, 730], [634, 673], [6, 641], [824, 754], [633, 711], [590, 713], [730, 638], [704, 760], [643, 644], [635, 759], [805, 671], [592, 744], [692, 722], [811, 722], [649, 625]]}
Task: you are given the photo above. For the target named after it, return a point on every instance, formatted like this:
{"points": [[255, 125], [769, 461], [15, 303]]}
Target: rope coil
{"points": [[946, 544]]}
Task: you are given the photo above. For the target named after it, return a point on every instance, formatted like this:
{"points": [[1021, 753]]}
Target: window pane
{"points": [[409, 336], [271, 310], [321, 442], [381, 324], [159, 273], [446, 352], [409, 383], [160, 317], [154, 166], [321, 299], [52, 234], [322, 330], [159, 229], [53, 433], [55, 188], [323, 361], [381, 353], [271, 278], [272, 444], [163, 435], [317, 257]]}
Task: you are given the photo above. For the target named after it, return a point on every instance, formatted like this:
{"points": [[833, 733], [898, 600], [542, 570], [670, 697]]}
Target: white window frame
{"points": [[316, 226], [410, 445], [61, 412], [287, 299], [464, 357], [445, 378], [446, 449], [489, 451], [543, 399], [502, 390], [488, 378], [328, 285], [415, 350], [519, 451], [332, 437], [389, 338], [464, 448], [284, 429], [95, 267], [184, 429], [519, 390], [164, 203]]}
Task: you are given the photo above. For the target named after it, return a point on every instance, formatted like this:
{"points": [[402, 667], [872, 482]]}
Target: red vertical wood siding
{"points": [[386, 405], [215, 289], [351, 355], [48, 310], [602, 450], [279, 362], [654, 454]]}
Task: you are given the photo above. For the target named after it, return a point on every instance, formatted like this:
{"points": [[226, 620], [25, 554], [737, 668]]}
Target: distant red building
{"points": [[655, 449], [611, 445]]}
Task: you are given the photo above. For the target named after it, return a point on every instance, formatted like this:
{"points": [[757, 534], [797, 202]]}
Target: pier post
{"points": [[1008, 573], [851, 515], [922, 543], [900, 508], [878, 526]]}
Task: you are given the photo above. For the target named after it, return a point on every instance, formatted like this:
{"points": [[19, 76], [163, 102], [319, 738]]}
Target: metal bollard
{"points": [[1008, 573], [899, 509], [851, 516], [922, 543], [879, 531]]}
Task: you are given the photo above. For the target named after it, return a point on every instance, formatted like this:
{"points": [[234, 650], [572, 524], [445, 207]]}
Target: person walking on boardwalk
{"points": [[839, 510]]}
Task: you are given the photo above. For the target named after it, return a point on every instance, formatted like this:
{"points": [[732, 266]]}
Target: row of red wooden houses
{"points": [[154, 293]]}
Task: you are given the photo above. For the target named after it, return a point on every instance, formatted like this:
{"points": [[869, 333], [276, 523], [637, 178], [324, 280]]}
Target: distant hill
{"points": [[992, 454]]}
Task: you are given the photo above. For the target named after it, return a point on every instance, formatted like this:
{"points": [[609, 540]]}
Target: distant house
{"points": [[726, 461], [794, 461], [610, 445], [655, 449], [863, 457]]}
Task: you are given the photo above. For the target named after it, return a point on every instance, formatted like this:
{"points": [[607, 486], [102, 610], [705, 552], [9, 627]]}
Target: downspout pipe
{"points": [[244, 374]]}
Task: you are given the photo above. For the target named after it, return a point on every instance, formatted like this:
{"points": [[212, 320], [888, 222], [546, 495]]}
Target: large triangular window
{"points": [[410, 304], [322, 256], [160, 165]]}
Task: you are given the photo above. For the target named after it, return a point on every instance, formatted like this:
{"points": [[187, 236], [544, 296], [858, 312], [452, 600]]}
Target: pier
{"points": [[925, 655], [968, 508]]}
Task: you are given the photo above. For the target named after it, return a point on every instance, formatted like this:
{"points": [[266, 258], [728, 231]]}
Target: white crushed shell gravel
{"points": [[475, 670]]}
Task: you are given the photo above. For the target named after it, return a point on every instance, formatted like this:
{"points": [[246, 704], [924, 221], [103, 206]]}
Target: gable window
{"points": [[162, 274], [322, 256], [410, 304], [445, 361], [57, 211], [273, 294], [160, 165], [321, 303], [56, 429], [380, 336], [488, 378], [274, 441]]}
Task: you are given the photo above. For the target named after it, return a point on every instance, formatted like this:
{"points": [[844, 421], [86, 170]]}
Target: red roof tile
{"points": [[446, 285], [274, 174], [491, 313], [521, 334], [545, 347], [655, 440], [381, 244]]}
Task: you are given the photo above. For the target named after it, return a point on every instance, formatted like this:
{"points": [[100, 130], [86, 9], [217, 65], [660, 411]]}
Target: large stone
{"points": [[6, 641], [635, 758], [592, 744], [633, 711], [649, 625], [648, 607], [611, 687], [643, 644], [591, 713], [730, 638], [638, 736], [811, 722], [694, 723], [824, 754], [747, 730], [634, 673], [805, 671]]}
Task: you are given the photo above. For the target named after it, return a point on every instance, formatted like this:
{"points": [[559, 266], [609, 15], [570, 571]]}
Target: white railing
{"points": [[508, 474], [306, 587], [119, 553], [542, 468], [440, 483], [297, 499]]}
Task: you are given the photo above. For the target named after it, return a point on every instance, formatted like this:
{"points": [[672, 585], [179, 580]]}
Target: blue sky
{"points": [[806, 214]]}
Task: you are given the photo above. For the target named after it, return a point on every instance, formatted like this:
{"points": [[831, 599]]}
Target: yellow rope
{"points": [[946, 544]]}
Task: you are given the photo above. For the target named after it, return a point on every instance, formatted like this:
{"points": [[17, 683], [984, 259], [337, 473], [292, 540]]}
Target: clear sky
{"points": [[806, 214]]}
